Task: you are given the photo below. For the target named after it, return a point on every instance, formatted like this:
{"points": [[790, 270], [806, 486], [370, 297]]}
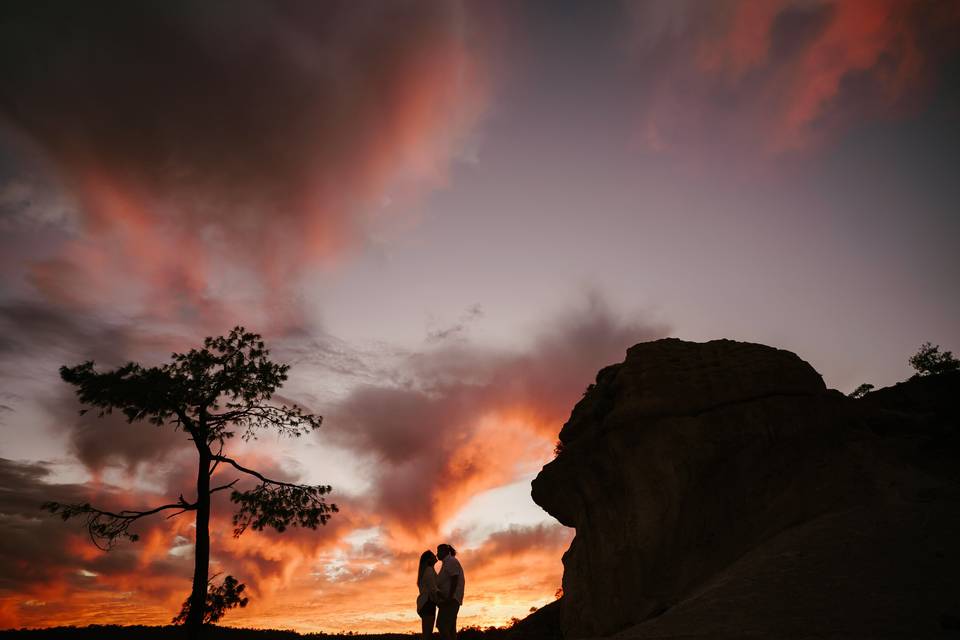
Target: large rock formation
{"points": [[721, 490]]}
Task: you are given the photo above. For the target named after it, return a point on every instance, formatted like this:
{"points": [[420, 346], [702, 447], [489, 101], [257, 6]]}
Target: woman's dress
{"points": [[428, 589]]}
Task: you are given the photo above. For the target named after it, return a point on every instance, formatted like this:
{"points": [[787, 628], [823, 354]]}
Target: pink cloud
{"points": [[217, 153], [784, 76]]}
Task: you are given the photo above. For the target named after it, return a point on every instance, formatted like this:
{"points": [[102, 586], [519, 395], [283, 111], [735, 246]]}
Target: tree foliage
{"points": [[861, 391], [214, 394], [929, 360], [220, 599]]}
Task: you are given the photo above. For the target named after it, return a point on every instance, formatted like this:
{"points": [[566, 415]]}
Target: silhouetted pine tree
{"points": [[213, 394]]}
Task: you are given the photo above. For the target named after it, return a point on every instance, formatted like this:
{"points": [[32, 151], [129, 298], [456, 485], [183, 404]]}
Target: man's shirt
{"points": [[448, 572]]}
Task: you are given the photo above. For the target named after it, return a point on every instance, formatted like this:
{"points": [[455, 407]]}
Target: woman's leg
{"points": [[427, 616]]}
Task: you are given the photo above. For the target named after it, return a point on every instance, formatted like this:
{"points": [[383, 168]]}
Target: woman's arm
{"points": [[430, 580]]}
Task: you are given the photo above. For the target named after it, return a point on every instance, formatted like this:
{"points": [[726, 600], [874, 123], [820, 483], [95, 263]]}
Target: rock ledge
{"points": [[720, 489]]}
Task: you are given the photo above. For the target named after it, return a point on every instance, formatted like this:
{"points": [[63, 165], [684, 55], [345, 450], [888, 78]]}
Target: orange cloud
{"points": [[53, 575], [870, 38], [216, 154], [465, 419], [309, 580], [785, 75]]}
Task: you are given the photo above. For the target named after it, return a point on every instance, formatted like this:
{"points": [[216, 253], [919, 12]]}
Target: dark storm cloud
{"points": [[30, 326], [100, 442], [45, 336], [37, 549], [465, 417]]}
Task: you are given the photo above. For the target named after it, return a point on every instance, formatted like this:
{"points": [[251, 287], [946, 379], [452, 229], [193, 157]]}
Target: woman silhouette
{"points": [[427, 599]]}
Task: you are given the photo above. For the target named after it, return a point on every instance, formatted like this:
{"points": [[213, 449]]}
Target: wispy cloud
{"points": [[785, 75], [215, 154]]}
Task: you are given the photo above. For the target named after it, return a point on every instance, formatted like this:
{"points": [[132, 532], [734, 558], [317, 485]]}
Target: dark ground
{"points": [[544, 624], [114, 632]]}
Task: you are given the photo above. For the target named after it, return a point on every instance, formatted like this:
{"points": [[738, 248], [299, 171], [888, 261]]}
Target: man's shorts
{"points": [[447, 615]]}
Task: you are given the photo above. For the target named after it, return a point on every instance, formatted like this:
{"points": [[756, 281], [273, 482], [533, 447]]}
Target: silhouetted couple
{"points": [[440, 594]]}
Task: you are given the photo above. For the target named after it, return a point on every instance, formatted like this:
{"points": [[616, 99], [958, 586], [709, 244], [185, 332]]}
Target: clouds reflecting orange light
{"points": [[203, 196], [310, 580], [170, 170]]}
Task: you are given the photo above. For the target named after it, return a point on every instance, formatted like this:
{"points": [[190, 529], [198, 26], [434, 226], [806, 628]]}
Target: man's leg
{"points": [[455, 609], [447, 620], [442, 621]]}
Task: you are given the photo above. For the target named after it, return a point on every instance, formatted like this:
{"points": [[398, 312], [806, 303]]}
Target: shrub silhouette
{"points": [[861, 391], [219, 600]]}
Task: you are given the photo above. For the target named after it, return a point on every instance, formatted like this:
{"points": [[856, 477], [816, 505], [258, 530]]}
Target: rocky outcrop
{"points": [[720, 489]]}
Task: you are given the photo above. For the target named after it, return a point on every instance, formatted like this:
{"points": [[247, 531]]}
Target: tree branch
{"points": [[256, 474], [277, 504], [108, 526], [186, 422], [224, 486], [281, 506], [216, 462], [133, 515], [287, 420]]}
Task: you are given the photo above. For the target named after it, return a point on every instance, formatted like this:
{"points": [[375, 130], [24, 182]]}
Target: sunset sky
{"points": [[446, 216]]}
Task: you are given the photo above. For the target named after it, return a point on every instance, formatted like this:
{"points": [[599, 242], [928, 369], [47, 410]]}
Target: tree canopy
{"points": [[214, 393], [929, 360]]}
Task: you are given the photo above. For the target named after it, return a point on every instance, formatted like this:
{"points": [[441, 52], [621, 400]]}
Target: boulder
{"points": [[719, 489]]}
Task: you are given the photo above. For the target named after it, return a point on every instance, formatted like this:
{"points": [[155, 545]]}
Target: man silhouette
{"points": [[450, 584]]}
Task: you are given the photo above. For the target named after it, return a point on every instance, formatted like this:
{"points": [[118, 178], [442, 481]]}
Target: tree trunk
{"points": [[201, 567]]}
